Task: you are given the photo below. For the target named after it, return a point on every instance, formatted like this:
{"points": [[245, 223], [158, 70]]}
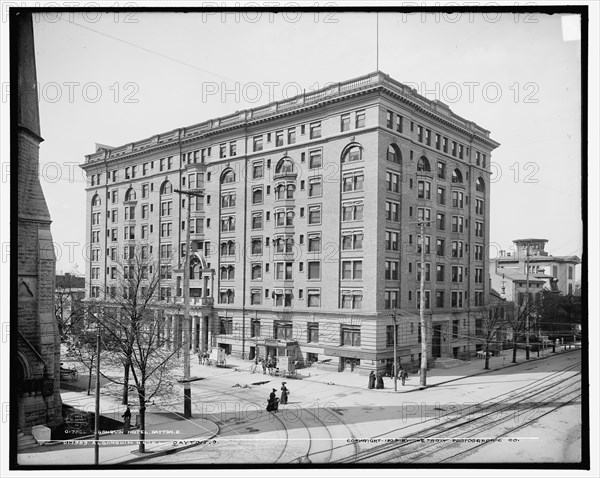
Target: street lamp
{"points": [[187, 391]]}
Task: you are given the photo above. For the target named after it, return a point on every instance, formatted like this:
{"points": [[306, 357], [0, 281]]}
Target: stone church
{"points": [[35, 366]]}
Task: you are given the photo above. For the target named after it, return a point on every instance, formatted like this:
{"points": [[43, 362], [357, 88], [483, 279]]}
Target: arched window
{"points": [[195, 267], [393, 154], [423, 164], [480, 185], [166, 188], [130, 195], [457, 176], [285, 165], [96, 200], [228, 176], [352, 152]]}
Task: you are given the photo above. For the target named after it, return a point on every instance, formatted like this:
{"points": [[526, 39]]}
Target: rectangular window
{"points": [[345, 122], [478, 275], [353, 182], [478, 206], [166, 229], [424, 215], [445, 144], [257, 195], [437, 141], [423, 189], [478, 252], [315, 159], [257, 170], [166, 208], [478, 229], [315, 187], [439, 298], [419, 133], [399, 124], [391, 241], [314, 270], [360, 119], [457, 224], [391, 301], [457, 299], [350, 336], [291, 135], [440, 272], [441, 170], [457, 199], [426, 298], [441, 221], [391, 270], [392, 182], [257, 143], [314, 215], [279, 138], [457, 249], [440, 247], [457, 273], [315, 130], [427, 271], [453, 151], [427, 244], [390, 119], [441, 195]]}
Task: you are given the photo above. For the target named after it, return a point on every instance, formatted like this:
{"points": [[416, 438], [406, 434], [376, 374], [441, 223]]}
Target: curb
{"points": [[556, 354], [171, 451]]}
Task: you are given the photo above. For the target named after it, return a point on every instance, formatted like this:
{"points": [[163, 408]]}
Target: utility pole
{"points": [[187, 391], [527, 302], [97, 415]]}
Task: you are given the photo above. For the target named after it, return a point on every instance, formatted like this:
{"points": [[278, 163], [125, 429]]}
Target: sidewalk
{"points": [[165, 433], [168, 432]]}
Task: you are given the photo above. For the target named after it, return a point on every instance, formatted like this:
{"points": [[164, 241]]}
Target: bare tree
{"points": [[130, 315], [68, 308], [488, 327], [516, 318]]}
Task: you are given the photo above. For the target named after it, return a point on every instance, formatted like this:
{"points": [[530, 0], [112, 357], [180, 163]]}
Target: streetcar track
{"points": [[454, 423]]}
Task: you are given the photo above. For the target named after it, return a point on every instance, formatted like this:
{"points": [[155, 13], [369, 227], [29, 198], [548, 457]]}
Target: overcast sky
{"points": [[115, 78]]}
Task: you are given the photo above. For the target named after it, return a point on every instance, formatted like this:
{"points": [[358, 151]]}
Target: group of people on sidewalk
{"points": [[273, 401], [376, 381]]}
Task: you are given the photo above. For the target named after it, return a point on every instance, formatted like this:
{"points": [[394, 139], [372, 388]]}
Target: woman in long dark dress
{"points": [[273, 402], [372, 379], [284, 394], [379, 381]]}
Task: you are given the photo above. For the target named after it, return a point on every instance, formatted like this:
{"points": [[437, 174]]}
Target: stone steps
{"points": [[25, 442]]}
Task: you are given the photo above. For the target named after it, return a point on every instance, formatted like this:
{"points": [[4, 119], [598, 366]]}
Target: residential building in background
{"points": [[508, 272], [307, 238]]}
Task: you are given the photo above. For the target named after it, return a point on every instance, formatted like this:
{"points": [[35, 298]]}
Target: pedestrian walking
{"points": [[379, 381], [284, 394], [126, 421], [372, 379], [272, 402], [264, 367], [404, 375]]}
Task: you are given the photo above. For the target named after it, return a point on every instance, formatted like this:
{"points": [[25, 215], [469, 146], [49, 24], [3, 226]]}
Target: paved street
{"points": [[327, 423], [529, 412]]}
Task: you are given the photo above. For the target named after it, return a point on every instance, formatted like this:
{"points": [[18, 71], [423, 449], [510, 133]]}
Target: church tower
{"points": [[37, 361]]}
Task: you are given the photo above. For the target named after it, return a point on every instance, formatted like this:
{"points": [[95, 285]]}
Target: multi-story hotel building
{"points": [[307, 238]]}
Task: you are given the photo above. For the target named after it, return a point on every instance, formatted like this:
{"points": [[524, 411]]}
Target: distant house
{"points": [[508, 273]]}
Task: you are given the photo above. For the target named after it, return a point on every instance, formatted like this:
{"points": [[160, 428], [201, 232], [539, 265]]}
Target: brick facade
{"points": [[346, 126]]}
